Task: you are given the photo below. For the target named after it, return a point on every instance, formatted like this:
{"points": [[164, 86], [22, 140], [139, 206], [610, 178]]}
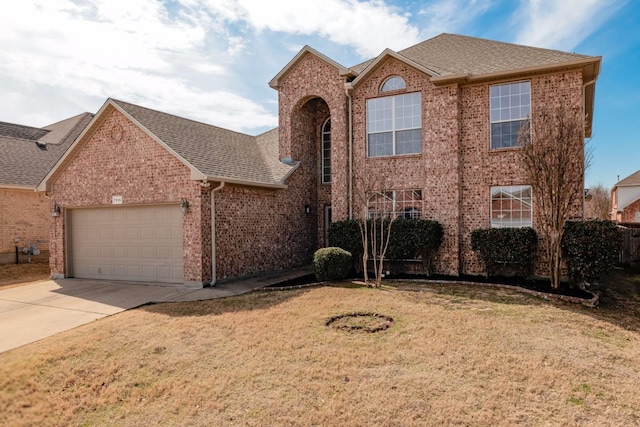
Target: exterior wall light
{"points": [[184, 206], [307, 209], [55, 212]]}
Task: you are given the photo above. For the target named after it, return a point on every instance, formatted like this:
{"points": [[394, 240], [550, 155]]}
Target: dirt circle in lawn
{"points": [[360, 322]]}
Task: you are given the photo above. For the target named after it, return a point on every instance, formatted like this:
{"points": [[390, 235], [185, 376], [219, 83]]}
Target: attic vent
{"points": [[41, 145], [287, 160]]}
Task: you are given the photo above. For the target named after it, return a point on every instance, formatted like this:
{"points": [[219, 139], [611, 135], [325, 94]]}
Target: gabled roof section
{"points": [[29, 153], [386, 54], [275, 82], [210, 152], [452, 55], [630, 181]]}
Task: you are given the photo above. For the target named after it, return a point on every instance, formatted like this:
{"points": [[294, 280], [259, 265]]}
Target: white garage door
{"points": [[127, 243]]}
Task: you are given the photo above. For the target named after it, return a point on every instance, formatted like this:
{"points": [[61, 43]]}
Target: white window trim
{"points": [[522, 201], [399, 200], [506, 121], [322, 149], [393, 128]]}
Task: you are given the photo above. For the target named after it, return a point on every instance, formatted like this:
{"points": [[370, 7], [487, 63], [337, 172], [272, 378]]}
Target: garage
{"points": [[138, 243]]}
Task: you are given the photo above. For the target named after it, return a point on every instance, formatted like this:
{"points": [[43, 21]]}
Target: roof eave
{"points": [[249, 183], [275, 82], [18, 187]]}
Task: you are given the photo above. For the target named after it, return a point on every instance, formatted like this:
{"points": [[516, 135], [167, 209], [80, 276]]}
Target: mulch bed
{"points": [[530, 284]]}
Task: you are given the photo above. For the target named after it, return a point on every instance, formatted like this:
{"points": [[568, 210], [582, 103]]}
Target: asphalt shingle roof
{"points": [[450, 54], [631, 180], [214, 151], [27, 154]]}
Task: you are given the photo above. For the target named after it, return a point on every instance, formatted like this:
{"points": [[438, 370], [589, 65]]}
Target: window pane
{"points": [[380, 144], [409, 141], [510, 105], [511, 206], [393, 83]]}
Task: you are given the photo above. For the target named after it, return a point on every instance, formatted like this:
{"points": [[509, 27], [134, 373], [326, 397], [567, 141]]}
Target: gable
{"points": [[305, 52], [119, 158]]}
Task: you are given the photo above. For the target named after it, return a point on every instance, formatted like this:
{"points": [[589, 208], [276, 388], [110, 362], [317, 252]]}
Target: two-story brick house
{"points": [[437, 122], [144, 195]]}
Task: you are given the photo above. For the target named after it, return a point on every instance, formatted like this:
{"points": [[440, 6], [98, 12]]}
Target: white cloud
{"points": [[368, 26], [137, 51], [451, 16], [561, 24]]}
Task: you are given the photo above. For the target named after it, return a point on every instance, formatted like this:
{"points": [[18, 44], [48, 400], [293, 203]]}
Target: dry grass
{"points": [[12, 274], [454, 355]]}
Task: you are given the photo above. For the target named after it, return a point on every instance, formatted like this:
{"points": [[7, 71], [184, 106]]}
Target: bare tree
{"points": [[598, 203], [554, 158], [375, 227]]}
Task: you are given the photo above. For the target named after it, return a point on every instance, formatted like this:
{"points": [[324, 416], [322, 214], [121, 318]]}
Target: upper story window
{"points": [[510, 108], [326, 152], [394, 125], [511, 206], [393, 83]]}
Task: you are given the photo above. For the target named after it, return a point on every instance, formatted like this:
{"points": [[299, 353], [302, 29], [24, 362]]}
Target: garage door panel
{"points": [[128, 243]]}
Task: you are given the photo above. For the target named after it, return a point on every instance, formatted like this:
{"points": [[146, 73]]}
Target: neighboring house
{"points": [[437, 123], [26, 156], [625, 200]]}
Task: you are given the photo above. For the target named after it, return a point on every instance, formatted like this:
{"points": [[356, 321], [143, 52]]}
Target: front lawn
{"points": [[458, 355]]}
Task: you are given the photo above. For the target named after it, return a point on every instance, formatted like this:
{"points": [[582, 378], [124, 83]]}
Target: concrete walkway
{"points": [[38, 310]]}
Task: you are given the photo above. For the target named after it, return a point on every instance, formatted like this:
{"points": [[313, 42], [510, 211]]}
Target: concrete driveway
{"points": [[34, 311], [31, 312]]}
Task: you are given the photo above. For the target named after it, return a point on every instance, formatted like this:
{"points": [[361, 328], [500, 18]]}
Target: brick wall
{"points": [[629, 213], [24, 214], [434, 170], [142, 172], [482, 168], [300, 121], [263, 230], [456, 167]]}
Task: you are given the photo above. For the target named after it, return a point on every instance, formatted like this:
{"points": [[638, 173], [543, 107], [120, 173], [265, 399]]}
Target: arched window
{"points": [[393, 83], [326, 151]]}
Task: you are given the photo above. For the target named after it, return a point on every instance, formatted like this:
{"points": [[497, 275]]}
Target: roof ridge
{"points": [[71, 131], [118, 101]]}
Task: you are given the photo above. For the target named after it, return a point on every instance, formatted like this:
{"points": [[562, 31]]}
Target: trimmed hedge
{"points": [[590, 248], [505, 247], [410, 238], [346, 235], [332, 263]]}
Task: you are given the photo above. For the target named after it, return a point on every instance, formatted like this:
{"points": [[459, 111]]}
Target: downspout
{"points": [[213, 233], [584, 169], [346, 91]]}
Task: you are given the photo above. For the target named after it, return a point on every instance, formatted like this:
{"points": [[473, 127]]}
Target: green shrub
{"points": [[590, 248], [332, 263], [410, 238], [513, 248], [346, 235]]}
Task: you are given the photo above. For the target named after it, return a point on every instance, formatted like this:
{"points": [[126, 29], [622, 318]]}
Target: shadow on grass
{"points": [[256, 300]]}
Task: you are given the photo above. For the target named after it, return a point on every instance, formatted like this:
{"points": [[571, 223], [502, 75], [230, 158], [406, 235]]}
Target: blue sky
{"points": [[211, 60]]}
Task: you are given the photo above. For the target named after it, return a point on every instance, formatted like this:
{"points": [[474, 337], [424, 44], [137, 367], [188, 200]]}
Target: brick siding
{"points": [[24, 214], [456, 167]]}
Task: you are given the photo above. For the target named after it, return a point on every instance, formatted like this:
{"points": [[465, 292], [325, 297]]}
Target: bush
{"points": [[410, 238], [590, 248], [332, 263], [505, 247], [346, 235]]}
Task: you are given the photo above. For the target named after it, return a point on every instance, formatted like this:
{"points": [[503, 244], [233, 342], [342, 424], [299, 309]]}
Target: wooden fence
{"points": [[630, 248]]}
